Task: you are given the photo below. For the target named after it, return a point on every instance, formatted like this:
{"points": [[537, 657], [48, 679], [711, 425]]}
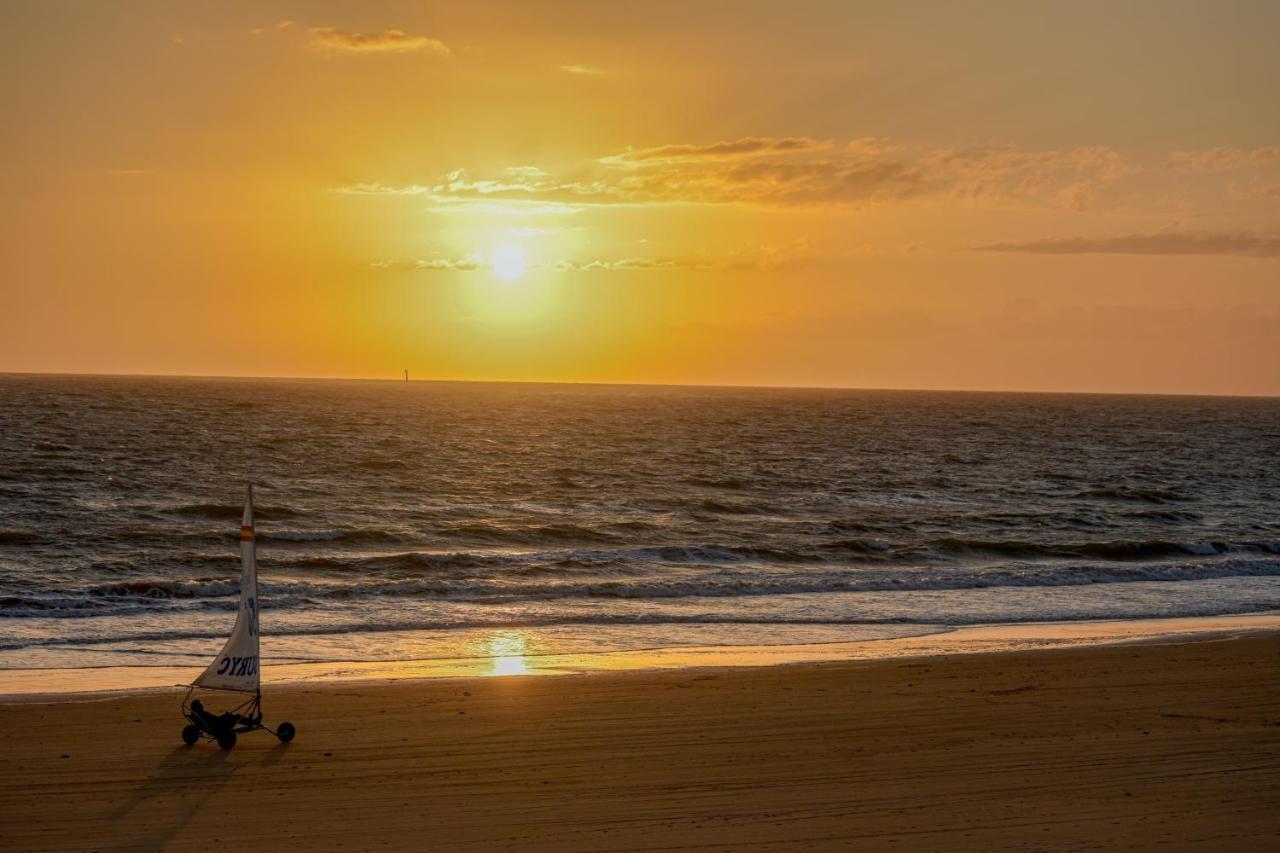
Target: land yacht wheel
{"points": [[190, 734], [285, 732], [227, 740]]}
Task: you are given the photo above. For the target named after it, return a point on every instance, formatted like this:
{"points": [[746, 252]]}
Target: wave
{"points": [[728, 508], [524, 535], [358, 536], [1133, 493], [847, 556], [382, 464], [461, 563], [1117, 550], [17, 537], [292, 594], [436, 621], [233, 512], [1171, 516], [11, 603], [847, 551], [732, 484], [161, 588]]}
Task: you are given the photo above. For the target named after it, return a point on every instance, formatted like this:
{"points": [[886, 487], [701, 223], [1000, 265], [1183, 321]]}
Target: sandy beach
{"points": [[1170, 746]]}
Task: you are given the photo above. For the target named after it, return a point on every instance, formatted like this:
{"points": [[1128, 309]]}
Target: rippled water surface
{"points": [[425, 519]]}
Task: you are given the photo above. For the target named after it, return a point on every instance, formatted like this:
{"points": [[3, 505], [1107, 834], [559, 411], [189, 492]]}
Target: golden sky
{"points": [[997, 195]]}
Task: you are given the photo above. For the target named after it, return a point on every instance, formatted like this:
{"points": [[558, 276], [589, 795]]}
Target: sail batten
{"points": [[236, 666]]}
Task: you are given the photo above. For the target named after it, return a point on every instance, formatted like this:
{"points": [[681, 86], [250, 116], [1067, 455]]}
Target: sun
{"points": [[509, 262]]}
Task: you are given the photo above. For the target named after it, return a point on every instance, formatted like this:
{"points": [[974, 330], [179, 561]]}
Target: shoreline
{"points": [[22, 686]]}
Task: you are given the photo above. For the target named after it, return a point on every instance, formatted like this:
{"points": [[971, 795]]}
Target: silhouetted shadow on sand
{"points": [[184, 782]]}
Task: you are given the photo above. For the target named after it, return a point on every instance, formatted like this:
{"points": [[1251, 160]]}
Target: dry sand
{"points": [[1171, 746]]}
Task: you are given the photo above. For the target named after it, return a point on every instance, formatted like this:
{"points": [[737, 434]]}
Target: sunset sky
{"points": [[1002, 195]]}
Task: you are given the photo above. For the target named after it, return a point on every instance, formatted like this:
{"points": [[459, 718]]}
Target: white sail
{"points": [[236, 666]]}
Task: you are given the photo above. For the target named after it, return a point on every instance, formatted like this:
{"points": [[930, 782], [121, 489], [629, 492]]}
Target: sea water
{"points": [[415, 520]]}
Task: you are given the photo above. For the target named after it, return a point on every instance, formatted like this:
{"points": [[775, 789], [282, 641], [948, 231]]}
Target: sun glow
{"points": [[509, 262]]}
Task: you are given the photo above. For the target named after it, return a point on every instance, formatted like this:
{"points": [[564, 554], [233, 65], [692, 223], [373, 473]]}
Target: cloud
{"points": [[278, 25], [585, 70], [515, 207], [1254, 190], [624, 264], [1216, 160], [788, 172], [746, 147], [382, 189], [531, 231], [388, 41], [469, 263], [1160, 243], [473, 263], [793, 172], [456, 194], [797, 254]]}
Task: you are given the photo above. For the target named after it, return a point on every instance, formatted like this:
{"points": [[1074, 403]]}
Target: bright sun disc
{"points": [[508, 263]]}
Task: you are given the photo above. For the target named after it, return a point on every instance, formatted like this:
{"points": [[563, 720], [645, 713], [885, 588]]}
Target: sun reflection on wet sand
{"points": [[507, 650], [512, 652]]}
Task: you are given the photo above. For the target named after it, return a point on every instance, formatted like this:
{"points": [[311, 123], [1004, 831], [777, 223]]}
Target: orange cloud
{"points": [[387, 41], [796, 172], [1221, 159], [747, 147]]}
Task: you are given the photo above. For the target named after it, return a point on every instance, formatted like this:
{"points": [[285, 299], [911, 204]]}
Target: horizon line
{"points": [[708, 385]]}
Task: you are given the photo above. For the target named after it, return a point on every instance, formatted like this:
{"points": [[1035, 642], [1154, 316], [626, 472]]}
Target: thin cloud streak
{"points": [[798, 254], [1246, 243], [474, 263], [334, 40], [382, 189], [746, 147], [1218, 160]]}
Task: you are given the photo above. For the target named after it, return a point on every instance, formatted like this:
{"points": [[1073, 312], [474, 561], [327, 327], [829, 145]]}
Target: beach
{"points": [[1170, 745]]}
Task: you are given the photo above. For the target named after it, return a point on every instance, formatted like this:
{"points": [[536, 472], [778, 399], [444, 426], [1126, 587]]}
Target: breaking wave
{"points": [[297, 593]]}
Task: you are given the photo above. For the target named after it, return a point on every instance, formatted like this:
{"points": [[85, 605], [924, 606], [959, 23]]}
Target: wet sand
{"points": [[506, 659], [1169, 746]]}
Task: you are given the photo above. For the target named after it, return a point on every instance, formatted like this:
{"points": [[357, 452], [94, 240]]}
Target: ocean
{"points": [[418, 520]]}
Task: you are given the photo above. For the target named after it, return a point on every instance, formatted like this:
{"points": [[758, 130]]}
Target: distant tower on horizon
{"points": [[406, 374]]}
